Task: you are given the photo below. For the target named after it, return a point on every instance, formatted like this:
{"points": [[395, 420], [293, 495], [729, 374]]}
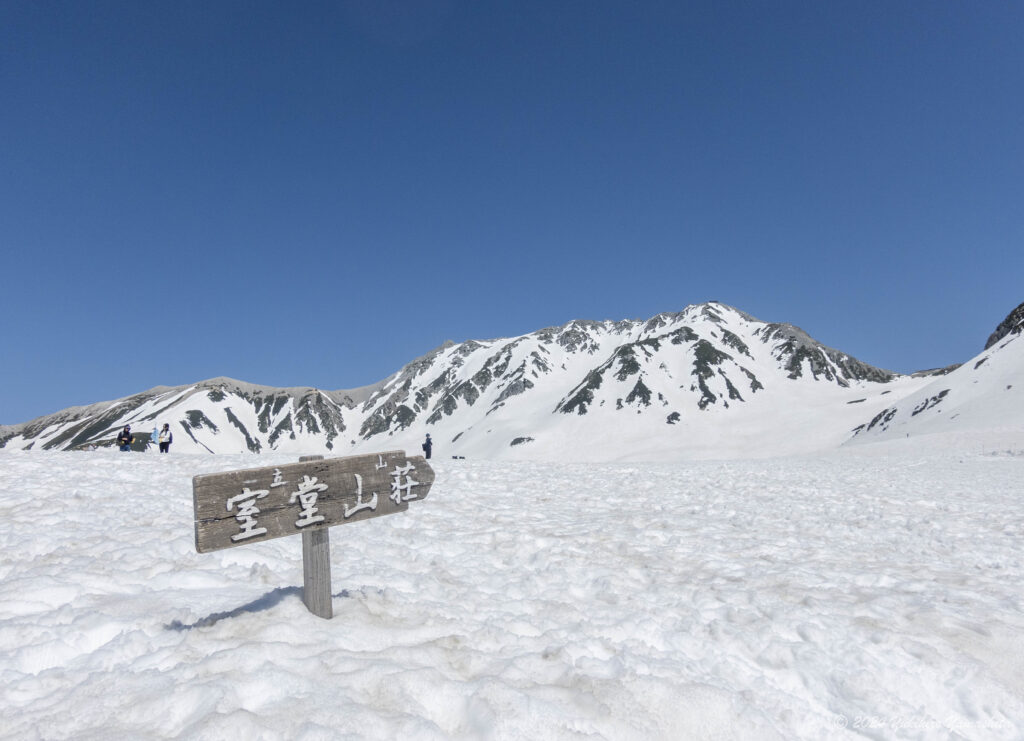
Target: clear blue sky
{"points": [[315, 193]]}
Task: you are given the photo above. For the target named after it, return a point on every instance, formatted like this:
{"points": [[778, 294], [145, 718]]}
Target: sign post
{"points": [[252, 505], [316, 572], [316, 566]]}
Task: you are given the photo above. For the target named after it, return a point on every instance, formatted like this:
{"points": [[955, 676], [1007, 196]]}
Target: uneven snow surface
{"points": [[872, 592]]}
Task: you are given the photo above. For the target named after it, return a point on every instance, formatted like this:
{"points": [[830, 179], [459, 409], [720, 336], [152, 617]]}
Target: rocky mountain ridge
{"points": [[709, 380]]}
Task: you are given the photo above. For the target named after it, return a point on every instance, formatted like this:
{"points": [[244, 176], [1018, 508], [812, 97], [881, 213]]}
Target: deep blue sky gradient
{"points": [[315, 193]]}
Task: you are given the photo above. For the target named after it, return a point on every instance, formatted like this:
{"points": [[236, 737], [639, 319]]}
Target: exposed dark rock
{"points": [[755, 385], [196, 419], [516, 387], [882, 419], [628, 364], [733, 393], [583, 395], [707, 396], [731, 340], [284, 426], [794, 347], [929, 402], [253, 445], [936, 371], [639, 393], [683, 334], [1012, 324]]}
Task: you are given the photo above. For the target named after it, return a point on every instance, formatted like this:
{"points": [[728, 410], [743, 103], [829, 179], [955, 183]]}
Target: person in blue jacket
{"points": [[125, 439], [428, 445]]}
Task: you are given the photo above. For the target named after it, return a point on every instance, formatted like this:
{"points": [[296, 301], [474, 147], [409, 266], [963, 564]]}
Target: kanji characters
{"points": [[401, 491], [247, 511], [360, 504], [307, 492]]}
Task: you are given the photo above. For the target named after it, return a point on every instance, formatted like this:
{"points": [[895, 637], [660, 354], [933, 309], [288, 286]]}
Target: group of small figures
{"points": [[163, 438]]}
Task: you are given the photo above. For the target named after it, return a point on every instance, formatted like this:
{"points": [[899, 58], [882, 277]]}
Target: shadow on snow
{"points": [[266, 602]]}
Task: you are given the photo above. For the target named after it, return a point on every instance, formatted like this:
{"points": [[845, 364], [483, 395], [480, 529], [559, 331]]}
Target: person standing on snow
{"points": [[125, 439], [427, 446], [166, 438]]}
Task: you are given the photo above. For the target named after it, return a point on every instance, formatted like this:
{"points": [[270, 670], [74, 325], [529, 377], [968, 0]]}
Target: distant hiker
{"points": [[428, 445], [166, 438], [125, 439]]}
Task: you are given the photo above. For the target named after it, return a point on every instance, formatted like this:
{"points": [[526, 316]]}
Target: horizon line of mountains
{"points": [[588, 390]]}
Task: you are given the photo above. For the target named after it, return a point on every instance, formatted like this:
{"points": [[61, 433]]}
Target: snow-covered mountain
{"points": [[230, 415], [985, 393], [710, 381]]}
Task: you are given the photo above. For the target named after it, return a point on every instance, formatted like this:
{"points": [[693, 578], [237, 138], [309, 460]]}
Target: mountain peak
{"points": [[1012, 324]]}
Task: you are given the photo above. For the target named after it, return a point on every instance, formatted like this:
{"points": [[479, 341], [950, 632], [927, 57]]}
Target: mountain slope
{"points": [[985, 393], [709, 381], [220, 415]]}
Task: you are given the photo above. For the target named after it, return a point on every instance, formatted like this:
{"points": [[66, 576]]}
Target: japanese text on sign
{"points": [[239, 507]]}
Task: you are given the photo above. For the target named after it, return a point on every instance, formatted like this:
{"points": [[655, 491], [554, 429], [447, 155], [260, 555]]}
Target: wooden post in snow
{"points": [[316, 566]]}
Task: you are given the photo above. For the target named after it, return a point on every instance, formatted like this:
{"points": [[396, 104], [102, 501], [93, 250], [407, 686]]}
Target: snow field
{"points": [[870, 592]]}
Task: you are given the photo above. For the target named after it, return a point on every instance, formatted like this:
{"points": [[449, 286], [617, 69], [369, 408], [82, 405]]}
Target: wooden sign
{"points": [[257, 504]]}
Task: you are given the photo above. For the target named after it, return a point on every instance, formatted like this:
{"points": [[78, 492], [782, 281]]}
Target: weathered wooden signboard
{"points": [[252, 505]]}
